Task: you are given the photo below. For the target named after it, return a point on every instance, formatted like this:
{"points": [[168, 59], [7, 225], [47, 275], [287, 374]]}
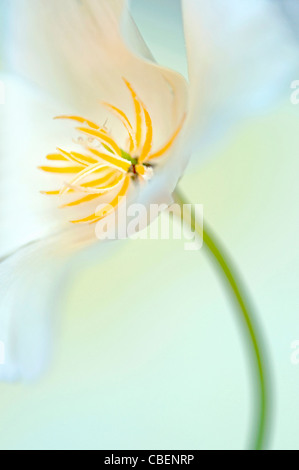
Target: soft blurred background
{"points": [[154, 359]]}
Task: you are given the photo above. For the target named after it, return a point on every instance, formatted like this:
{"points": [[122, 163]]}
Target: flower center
{"points": [[107, 169], [145, 171]]}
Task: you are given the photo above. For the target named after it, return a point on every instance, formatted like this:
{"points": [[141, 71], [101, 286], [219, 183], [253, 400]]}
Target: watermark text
{"points": [[156, 222]]}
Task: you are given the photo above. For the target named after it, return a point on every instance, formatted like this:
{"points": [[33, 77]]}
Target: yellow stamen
{"points": [[83, 160], [120, 164], [72, 158], [118, 198], [108, 166], [56, 157], [140, 169], [85, 172], [64, 170], [98, 182], [88, 198], [138, 114], [86, 158], [167, 146], [80, 120], [51, 193], [100, 135], [149, 136], [124, 119], [93, 218], [109, 186]]}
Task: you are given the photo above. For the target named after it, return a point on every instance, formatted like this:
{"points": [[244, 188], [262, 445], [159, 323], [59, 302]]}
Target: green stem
{"points": [[253, 334]]}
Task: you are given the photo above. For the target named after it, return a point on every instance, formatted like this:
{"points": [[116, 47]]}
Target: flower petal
{"points": [[77, 52], [28, 279], [31, 281], [25, 215], [241, 58]]}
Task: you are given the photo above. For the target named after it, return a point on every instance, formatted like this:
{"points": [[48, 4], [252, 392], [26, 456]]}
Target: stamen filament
{"points": [[138, 114], [98, 182], [88, 198], [110, 185], [56, 157], [124, 119], [168, 145], [80, 120], [62, 170], [85, 172], [96, 217], [120, 164], [149, 136], [102, 137], [85, 158], [72, 158]]}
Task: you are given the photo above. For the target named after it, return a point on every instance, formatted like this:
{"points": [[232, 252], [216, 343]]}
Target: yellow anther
{"points": [[140, 169]]}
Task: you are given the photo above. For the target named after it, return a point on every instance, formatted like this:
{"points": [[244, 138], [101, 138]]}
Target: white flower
{"points": [[71, 55], [242, 57]]}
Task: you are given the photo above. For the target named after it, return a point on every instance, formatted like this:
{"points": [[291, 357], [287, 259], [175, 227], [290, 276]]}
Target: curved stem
{"points": [[244, 309]]}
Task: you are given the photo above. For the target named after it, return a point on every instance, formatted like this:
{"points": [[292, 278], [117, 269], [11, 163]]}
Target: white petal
{"points": [[27, 306], [32, 282], [27, 134], [77, 52], [74, 51], [241, 58]]}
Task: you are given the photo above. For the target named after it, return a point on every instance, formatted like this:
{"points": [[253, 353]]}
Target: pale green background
{"points": [[149, 354]]}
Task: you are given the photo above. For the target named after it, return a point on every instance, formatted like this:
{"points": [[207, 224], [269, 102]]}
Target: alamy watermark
{"points": [[137, 221], [295, 94]]}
